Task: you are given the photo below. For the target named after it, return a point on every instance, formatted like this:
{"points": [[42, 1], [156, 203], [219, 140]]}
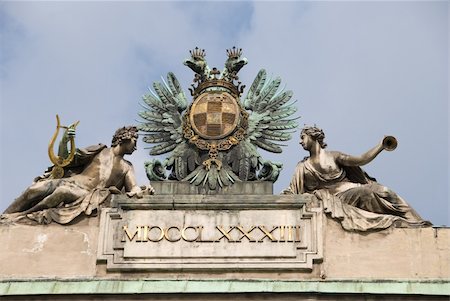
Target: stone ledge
{"points": [[211, 202], [88, 286]]}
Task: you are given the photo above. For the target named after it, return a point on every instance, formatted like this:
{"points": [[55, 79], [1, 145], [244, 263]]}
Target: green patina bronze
{"points": [[214, 140]]}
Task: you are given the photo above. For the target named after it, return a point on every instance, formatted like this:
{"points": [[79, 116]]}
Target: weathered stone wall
{"points": [[398, 253], [49, 251]]}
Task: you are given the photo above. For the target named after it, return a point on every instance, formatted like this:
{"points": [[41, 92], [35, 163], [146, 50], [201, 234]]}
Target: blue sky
{"points": [[359, 70]]}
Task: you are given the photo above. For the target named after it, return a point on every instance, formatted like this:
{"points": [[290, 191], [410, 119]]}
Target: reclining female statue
{"points": [[347, 192], [94, 174]]}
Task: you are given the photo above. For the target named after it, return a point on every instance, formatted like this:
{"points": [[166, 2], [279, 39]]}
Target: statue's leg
{"points": [[375, 198], [63, 193], [32, 195]]}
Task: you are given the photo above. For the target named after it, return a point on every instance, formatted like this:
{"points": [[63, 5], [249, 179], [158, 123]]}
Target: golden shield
{"points": [[214, 115]]}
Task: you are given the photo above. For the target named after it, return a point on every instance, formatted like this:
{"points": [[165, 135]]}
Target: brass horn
{"points": [[389, 143]]}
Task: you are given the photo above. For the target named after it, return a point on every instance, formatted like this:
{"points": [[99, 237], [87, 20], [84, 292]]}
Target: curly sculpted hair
{"points": [[316, 133], [124, 133]]}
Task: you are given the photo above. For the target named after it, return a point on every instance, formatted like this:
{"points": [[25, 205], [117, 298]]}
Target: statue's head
{"points": [[235, 62], [197, 61], [316, 134], [124, 133]]}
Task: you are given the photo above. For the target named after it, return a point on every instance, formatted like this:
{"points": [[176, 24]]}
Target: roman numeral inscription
{"points": [[199, 234], [201, 238]]}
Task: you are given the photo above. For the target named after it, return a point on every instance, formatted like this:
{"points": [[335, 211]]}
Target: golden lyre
{"points": [[59, 162]]}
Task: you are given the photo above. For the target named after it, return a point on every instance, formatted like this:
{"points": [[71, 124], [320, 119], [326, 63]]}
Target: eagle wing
{"points": [[162, 116], [270, 121]]}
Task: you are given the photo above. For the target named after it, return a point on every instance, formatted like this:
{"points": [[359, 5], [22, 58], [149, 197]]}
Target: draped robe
{"points": [[354, 198], [87, 204]]}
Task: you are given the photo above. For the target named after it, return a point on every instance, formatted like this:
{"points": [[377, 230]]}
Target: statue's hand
{"points": [[114, 190], [68, 134], [136, 192], [148, 190]]}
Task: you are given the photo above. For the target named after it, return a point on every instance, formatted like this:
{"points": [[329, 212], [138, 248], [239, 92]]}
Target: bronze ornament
{"points": [[226, 111], [214, 115], [213, 140]]}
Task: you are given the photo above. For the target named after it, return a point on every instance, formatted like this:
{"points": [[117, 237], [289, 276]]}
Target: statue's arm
{"points": [[131, 186], [349, 160]]}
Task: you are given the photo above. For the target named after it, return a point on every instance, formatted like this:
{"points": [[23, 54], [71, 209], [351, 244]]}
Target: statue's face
{"points": [[129, 146], [306, 141]]}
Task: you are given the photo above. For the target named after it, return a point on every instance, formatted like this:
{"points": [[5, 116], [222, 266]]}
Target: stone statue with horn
{"points": [[348, 193]]}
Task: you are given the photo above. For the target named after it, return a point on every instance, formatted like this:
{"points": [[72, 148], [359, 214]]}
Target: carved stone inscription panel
{"points": [[263, 234]]}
